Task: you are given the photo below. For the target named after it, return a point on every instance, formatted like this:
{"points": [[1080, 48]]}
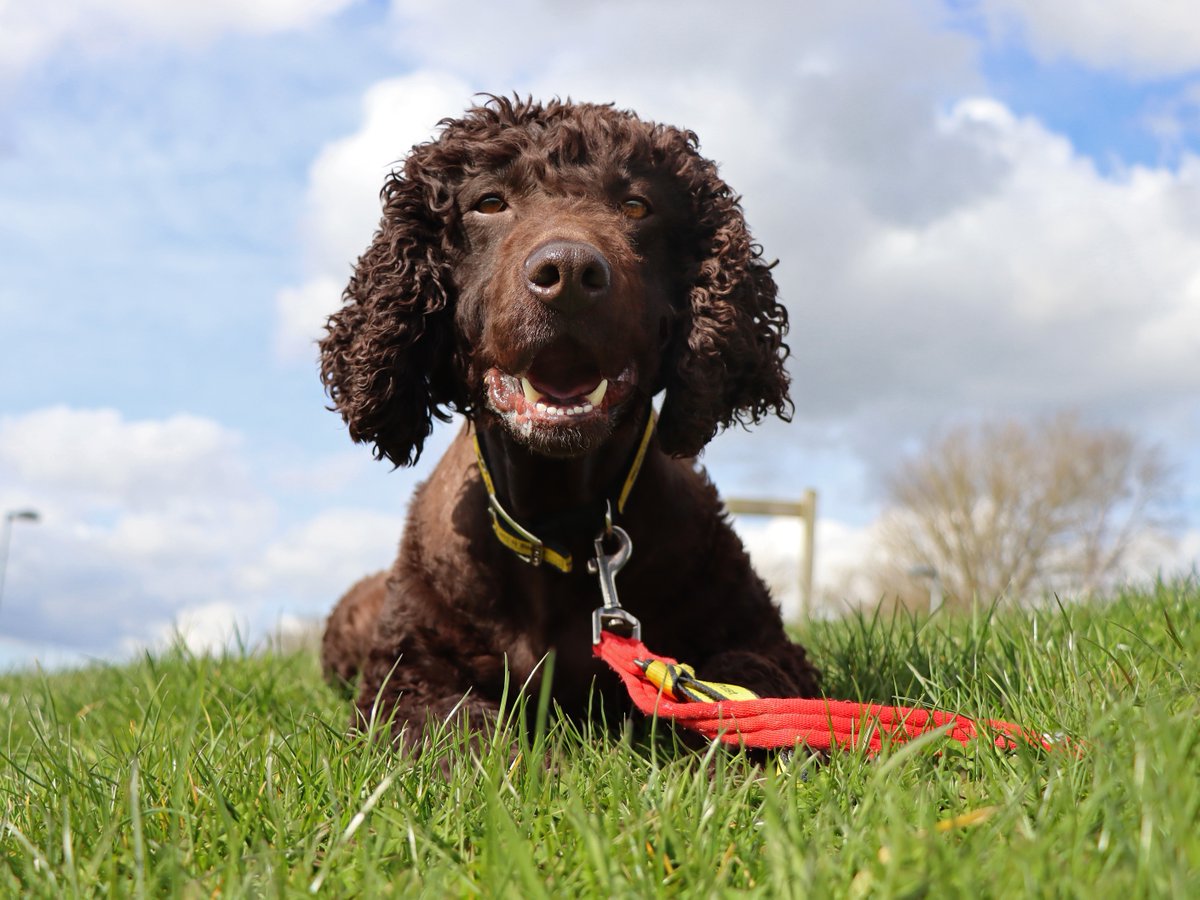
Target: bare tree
{"points": [[1012, 509]]}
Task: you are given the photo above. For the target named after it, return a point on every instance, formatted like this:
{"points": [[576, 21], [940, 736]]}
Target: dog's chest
{"points": [[548, 628]]}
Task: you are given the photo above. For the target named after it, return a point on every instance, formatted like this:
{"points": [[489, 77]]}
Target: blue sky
{"points": [[981, 208], [1106, 115]]}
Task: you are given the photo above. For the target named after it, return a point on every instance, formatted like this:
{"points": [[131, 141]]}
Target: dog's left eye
{"points": [[491, 204], [635, 208]]}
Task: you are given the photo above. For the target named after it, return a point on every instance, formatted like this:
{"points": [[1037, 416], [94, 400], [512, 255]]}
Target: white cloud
{"points": [[775, 551], [300, 314], [346, 177], [841, 556], [1174, 120], [30, 31], [342, 203], [332, 475], [1059, 287], [139, 520], [98, 455], [1026, 281], [155, 527], [848, 556], [315, 562], [17, 655], [1155, 38], [205, 628], [1150, 558]]}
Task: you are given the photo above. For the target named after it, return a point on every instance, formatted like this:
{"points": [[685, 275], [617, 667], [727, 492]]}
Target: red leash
{"points": [[764, 722], [783, 723]]}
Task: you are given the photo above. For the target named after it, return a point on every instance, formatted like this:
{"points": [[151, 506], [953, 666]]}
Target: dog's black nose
{"points": [[569, 275]]}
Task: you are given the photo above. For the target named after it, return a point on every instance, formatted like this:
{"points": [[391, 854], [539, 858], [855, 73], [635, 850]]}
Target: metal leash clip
{"points": [[611, 616]]}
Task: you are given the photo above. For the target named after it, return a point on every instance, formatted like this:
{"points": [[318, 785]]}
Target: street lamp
{"points": [[935, 585], [13, 515]]}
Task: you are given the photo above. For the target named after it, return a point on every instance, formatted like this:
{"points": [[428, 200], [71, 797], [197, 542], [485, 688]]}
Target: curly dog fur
{"points": [[545, 270]]}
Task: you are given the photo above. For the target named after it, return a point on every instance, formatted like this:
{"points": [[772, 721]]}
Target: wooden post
{"points": [[806, 511]]}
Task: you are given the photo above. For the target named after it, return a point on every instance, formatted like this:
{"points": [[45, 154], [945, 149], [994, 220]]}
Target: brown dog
{"points": [[545, 270]]}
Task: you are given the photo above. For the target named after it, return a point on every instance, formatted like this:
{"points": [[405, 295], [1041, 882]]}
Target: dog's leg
{"points": [[349, 632], [420, 674]]}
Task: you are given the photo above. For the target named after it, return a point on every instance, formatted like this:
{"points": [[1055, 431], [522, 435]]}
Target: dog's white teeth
{"points": [[531, 393], [546, 409], [597, 395]]}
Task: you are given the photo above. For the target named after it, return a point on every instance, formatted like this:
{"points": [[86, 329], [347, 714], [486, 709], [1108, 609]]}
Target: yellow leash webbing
{"points": [[679, 682], [638, 459]]}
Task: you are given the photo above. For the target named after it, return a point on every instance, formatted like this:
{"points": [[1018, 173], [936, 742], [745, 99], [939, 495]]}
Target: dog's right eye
{"points": [[635, 208], [491, 204]]}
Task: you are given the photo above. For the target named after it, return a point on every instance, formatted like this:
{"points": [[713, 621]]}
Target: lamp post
{"points": [[13, 515], [935, 585]]}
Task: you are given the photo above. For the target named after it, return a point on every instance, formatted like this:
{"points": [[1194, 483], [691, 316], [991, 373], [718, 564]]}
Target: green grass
{"points": [[196, 777]]}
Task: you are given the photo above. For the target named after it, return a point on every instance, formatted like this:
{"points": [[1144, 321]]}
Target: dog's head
{"points": [[550, 267]]}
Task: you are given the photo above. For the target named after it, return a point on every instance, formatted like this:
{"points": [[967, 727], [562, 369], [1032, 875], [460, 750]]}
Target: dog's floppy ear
{"points": [[387, 360], [727, 360]]}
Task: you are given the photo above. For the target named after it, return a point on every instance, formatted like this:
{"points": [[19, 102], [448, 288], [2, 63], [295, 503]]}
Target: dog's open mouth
{"points": [[563, 386]]}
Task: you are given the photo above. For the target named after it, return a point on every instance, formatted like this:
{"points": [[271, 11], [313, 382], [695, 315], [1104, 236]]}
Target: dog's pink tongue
{"points": [[566, 386], [564, 371]]}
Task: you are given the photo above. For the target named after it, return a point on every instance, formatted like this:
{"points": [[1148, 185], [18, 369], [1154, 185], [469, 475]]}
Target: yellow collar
{"points": [[523, 542]]}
